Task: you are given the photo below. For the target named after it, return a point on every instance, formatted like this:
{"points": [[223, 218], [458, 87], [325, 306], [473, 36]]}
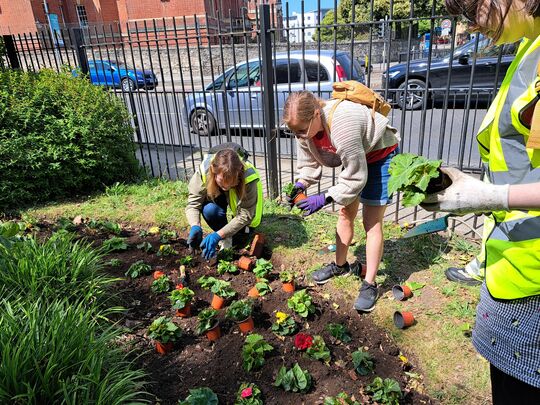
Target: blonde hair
{"points": [[301, 105], [227, 163]]}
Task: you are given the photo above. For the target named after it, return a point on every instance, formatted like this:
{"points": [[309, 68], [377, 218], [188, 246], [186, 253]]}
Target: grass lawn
{"points": [[438, 344]]}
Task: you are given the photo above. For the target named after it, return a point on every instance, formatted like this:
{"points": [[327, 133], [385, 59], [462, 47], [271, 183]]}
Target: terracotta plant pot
{"points": [[246, 325], [299, 197], [438, 183], [401, 292], [288, 287], [257, 245], [214, 333], [246, 263], [164, 348], [363, 270], [217, 302], [253, 293], [158, 274], [403, 319], [184, 312]]}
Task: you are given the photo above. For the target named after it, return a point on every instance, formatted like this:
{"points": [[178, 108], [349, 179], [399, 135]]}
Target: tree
{"points": [[362, 15]]}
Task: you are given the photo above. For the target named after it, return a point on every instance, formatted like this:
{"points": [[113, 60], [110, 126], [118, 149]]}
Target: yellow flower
{"points": [[154, 230], [281, 317]]}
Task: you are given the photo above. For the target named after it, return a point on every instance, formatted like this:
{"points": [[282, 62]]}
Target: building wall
{"points": [[16, 17]]}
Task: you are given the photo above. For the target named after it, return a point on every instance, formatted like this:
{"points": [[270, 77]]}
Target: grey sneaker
{"points": [[460, 275], [367, 297], [324, 274]]}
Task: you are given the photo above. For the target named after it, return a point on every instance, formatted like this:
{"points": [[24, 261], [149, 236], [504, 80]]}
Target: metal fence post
{"points": [[11, 52], [270, 131], [82, 58]]}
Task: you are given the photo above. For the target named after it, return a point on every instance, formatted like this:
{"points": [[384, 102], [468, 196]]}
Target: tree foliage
{"points": [[362, 15]]}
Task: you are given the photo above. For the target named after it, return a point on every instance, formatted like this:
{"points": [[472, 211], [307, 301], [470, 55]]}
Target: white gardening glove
{"points": [[466, 195]]}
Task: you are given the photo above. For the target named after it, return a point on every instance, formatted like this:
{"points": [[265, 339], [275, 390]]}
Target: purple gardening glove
{"points": [[312, 204], [298, 187]]}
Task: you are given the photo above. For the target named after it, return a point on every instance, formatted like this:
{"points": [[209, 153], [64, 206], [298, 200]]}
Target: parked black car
{"points": [[461, 67]]}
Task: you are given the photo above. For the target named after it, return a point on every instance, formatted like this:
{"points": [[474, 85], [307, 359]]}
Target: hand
{"points": [[209, 245], [467, 194], [195, 237], [299, 187], [312, 204]]}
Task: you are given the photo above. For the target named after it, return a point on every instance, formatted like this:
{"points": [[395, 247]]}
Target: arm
{"points": [[245, 212], [309, 170], [524, 196], [196, 197]]}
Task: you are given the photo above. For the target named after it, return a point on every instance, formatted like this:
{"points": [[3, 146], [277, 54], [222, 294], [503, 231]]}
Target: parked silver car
{"points": [[234, 99]]}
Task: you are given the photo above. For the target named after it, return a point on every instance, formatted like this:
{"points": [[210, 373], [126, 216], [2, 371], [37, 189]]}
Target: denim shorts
{"points": [[375, 192]]}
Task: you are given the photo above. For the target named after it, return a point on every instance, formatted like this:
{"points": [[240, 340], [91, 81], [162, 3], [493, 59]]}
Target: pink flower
{"points": [[303, 341], [246, 392]]}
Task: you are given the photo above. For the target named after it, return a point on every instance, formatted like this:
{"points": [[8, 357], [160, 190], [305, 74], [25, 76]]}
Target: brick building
{"points": [[130, 18]]}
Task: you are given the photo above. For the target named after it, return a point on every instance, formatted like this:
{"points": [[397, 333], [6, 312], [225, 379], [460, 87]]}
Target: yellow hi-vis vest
{"points": [[512, 265], [250, 174]]}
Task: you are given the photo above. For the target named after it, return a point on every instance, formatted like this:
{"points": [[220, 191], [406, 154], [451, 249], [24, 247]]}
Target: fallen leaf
{"points": [[353, 375]]}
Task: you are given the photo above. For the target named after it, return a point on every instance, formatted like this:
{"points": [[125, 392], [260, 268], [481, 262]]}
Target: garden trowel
{"points": [[435, 225]]}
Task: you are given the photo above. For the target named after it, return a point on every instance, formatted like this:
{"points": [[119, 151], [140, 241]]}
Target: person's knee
{"points": [[213, 212]]}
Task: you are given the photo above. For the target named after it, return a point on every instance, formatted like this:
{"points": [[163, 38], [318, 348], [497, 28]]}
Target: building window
{"points": [[81, 15]]}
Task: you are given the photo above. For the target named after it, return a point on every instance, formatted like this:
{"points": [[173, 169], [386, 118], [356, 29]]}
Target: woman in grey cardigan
{"points": [[363, 144]]}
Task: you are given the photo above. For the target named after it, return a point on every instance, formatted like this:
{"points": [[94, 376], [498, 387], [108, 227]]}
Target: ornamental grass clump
{"points": [[61, 136]]}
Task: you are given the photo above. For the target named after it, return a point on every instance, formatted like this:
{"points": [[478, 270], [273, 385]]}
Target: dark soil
{"points": [[197, 362]]}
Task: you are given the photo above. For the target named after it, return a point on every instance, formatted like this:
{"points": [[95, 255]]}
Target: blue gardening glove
{"points": [[195, 237], [299, 187], [209, 245], [312, 204]]}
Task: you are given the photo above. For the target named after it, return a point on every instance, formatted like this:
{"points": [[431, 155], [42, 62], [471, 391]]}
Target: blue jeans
{"points": [[375, 192], [215, 215]]}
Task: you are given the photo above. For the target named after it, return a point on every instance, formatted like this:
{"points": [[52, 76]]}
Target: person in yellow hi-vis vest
{"points": [[224, 178], [507, 327]]}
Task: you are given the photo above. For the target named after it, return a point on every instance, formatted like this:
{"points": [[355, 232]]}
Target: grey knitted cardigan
{"points": [[353, 133]]}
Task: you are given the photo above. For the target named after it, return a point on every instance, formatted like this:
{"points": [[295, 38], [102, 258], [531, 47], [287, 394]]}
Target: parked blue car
{"points": [[116, 74]]}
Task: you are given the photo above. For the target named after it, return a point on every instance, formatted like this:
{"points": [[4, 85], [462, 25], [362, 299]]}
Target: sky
{"points": [[309, 5]]}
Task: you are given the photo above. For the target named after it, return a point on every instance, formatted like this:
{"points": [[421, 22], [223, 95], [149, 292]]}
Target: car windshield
{"points": [[468, 48]]}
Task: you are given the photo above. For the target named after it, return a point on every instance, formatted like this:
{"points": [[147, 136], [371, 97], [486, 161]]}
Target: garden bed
{"points": [[196, 362]]}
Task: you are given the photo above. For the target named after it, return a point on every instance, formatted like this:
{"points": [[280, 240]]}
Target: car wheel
{"points": [[414, 99], [202, 122], [128, 85]]}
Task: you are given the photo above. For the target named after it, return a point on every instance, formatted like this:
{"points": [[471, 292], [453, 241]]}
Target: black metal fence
{"points": [[190, 83]]}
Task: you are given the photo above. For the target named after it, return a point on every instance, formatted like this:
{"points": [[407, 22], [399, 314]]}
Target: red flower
{"points": [[303, 341], [246, 392], [179, 286]]}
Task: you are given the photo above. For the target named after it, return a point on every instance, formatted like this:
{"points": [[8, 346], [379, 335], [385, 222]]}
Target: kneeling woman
{"points": [[225, 177]]}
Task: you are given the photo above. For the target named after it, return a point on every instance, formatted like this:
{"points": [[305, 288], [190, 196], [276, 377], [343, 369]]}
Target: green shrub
{"points": [[60, 136]]}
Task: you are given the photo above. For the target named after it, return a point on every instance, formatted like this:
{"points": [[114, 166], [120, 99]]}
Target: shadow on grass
{"points": [[403, 257], [286, 230]]}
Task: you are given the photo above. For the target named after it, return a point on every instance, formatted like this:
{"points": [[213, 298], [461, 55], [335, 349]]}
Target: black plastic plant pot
{"points": [[439, 183]]}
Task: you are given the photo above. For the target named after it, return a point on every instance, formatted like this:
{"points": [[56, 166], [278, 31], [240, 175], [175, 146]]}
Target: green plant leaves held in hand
{"points": [[254, 350], [301, 303], [362, 361], [294, 379], [200, 396], [385, 391], [339, 332], [411, 174]]}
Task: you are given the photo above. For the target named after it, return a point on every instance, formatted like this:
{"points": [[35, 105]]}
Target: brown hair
{"points": [[227, 163], [497, 10], [302, 105]]}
